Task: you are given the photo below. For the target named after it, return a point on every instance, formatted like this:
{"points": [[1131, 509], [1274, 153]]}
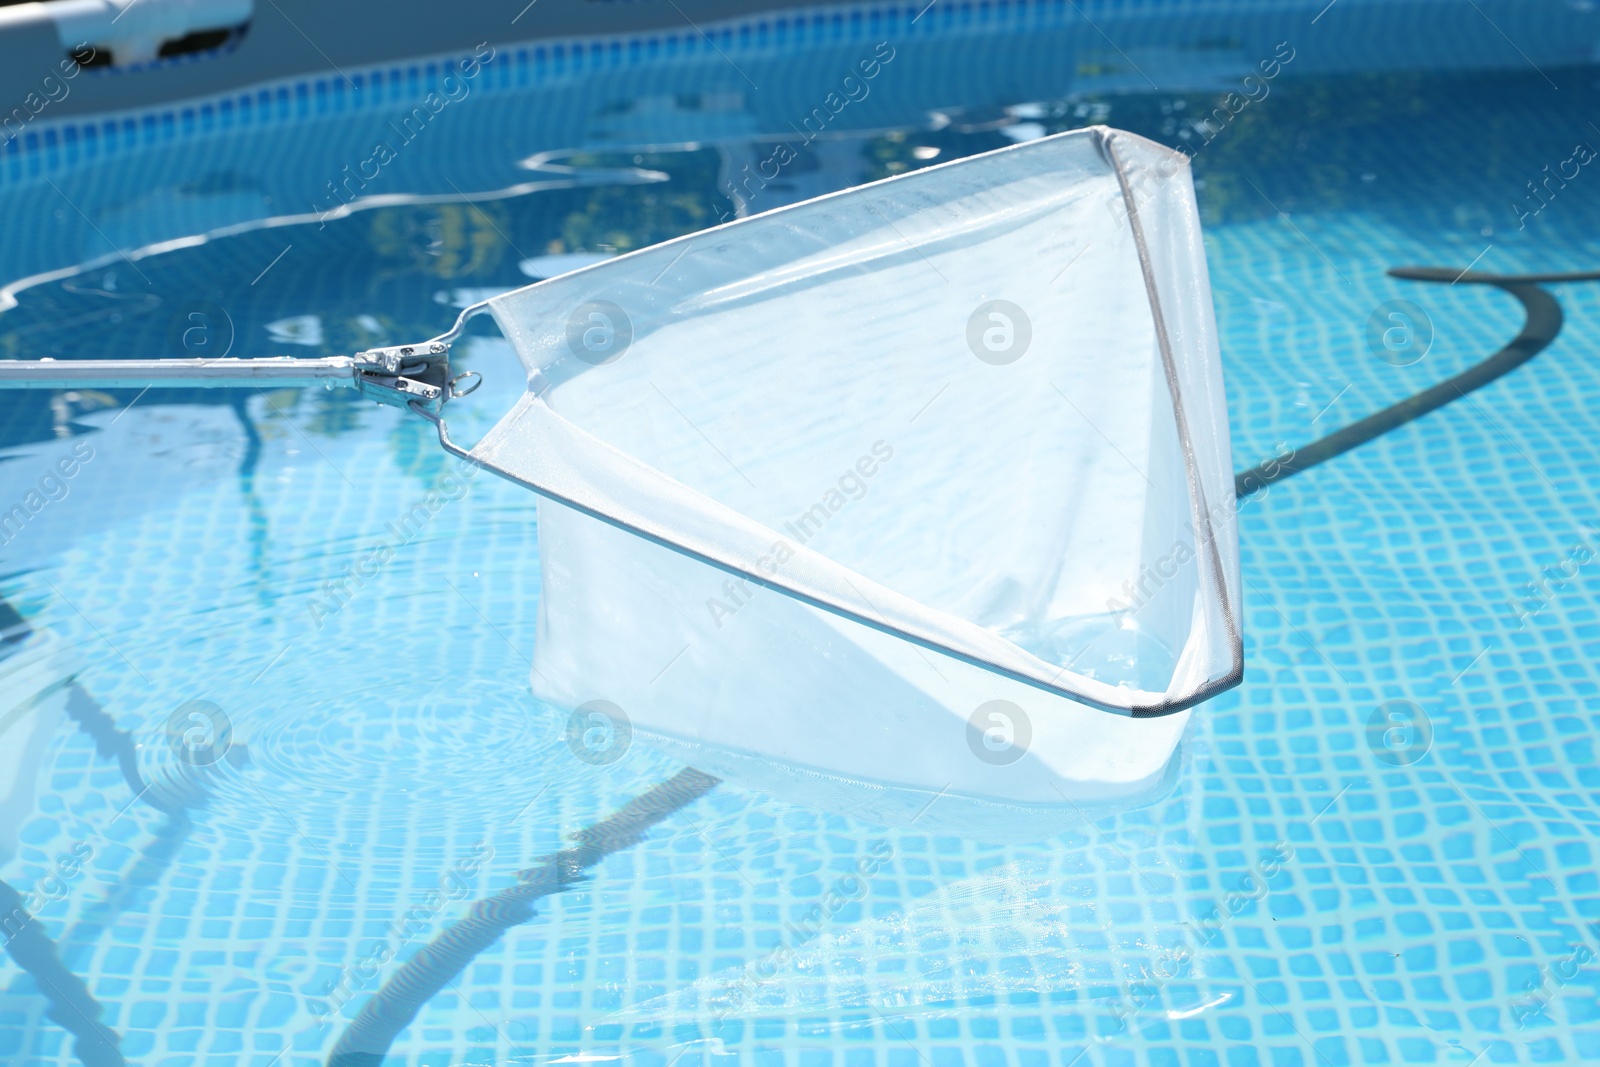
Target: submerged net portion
{"points": [[948, 439]]}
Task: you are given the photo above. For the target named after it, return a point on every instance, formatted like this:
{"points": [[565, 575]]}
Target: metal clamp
{"points": [[403, 375], [415, 377]]}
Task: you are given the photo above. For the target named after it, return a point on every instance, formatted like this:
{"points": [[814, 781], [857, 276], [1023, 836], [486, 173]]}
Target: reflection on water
{"points": [[380, 276], [1124, 654], [386, 743]]}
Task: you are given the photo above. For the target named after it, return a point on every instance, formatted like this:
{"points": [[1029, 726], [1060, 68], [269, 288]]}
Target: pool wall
{"points": [[323, 49]]}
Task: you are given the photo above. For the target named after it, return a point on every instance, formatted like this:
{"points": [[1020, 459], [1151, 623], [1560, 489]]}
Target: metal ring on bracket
{"points": [[476, 380]]}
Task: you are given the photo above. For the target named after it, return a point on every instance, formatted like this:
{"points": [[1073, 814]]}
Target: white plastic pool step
{"points": [[132, 31]]}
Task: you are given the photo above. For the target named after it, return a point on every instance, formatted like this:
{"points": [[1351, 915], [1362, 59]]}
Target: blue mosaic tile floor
{"points": [[388, 764]]}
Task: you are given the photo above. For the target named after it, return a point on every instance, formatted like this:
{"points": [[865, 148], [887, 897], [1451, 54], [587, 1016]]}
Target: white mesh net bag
{"points": [[925, 482]]}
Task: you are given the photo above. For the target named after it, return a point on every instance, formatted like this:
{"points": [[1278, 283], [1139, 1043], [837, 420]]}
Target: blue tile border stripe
{"points": [[47, 146]]}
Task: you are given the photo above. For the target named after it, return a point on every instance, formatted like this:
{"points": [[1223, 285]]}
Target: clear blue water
{"points": [[1421, 892]]}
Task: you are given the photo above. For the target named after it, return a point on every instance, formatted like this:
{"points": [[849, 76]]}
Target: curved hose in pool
{"points": [[366, 1041], [1541, 326]]}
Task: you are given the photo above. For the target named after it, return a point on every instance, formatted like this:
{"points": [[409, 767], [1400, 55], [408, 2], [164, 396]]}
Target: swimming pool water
{"points": [[1421, 892]]}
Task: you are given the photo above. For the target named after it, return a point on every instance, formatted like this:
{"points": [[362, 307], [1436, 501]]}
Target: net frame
{"points": [[632, 496]]}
